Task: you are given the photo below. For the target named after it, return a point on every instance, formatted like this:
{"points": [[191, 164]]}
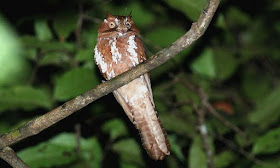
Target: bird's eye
{"points": [[112, 25], [127, 24]]}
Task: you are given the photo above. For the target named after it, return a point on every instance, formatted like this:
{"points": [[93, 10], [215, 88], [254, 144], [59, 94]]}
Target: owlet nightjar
{"points": [[119, 49]]}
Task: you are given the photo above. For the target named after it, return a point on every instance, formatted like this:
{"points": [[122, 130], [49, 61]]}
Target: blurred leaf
{"points": [[42, 30], [13, 67], [224, 57], [170, 34], [129, 152], [205, 64], [140, 12], [224, 159], [266, 112], [33, 42], [65, 23], [268, 143], [178, 124], [255, 84], [190, 8], [176, 148], [55, 58], [25, 97], [60, 150], [197, 157], [74, 82], [236, 17], [115, 127], [220, 22], [84, 55], [211, 63]]}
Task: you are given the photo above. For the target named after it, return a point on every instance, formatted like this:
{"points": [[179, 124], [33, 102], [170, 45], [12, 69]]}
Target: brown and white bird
{"points": [[119, 49]]}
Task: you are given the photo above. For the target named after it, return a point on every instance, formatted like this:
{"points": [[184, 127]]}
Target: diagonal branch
{"points": [[37, 125]]}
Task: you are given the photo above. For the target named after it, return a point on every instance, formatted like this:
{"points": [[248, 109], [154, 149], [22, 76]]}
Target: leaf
{"points": [[33, 42], [224, 159], [55, 58], [204, 64], [255, 84], [212, 64], [268, 143], [65, 23], [197, 157], [84, 55], [224, 57], [14, 69], [178, 124], [176, 148], [25, 97], [42, 30], [190, 8], [60, 150], [267, 111], [56, 152], [140, 12], [115, 127], [129, 151], [74, 82], [170, 34]]}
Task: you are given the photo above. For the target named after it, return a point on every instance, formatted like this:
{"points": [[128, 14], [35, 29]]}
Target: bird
{"points": [[119, 49]]}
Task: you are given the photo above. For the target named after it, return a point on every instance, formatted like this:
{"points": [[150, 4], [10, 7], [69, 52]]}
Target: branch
{"points": [[204, 136], [11, 157], [37, 125]]}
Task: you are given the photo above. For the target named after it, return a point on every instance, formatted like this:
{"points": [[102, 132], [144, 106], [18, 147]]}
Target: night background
{"points": [[46, 59]]}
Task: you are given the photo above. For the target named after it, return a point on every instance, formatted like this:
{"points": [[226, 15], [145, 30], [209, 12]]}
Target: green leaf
{"points": [[225, 63], [268, 143], [197, 157], [267, 111], [129, 151], [211, 63], [65, 23], [85, 55], [42, 30], [56, 152], [224, 159], [60, 150], [55, 58], [205, 64], [170, 34], [14, 69], [178, 124], [25, 97], [74, 82], [33, 42], [255, 84], [115, 127], [176, 148], [191, 8]]}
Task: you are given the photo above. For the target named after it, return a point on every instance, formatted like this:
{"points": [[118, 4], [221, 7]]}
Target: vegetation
{"points": [[219, 99]]}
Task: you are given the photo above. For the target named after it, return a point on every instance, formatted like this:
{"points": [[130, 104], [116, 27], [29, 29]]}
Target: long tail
{"points": [[137, 101], [153, 135]]}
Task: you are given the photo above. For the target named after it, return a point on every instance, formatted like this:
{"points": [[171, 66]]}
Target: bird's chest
{"points": [[116, 55]]}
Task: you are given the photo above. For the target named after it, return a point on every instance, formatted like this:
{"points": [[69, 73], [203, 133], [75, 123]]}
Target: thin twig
{"points": [[204, 135], [12, 158], [37, 125], [240, 150], [78, 137], [204, 100]]}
